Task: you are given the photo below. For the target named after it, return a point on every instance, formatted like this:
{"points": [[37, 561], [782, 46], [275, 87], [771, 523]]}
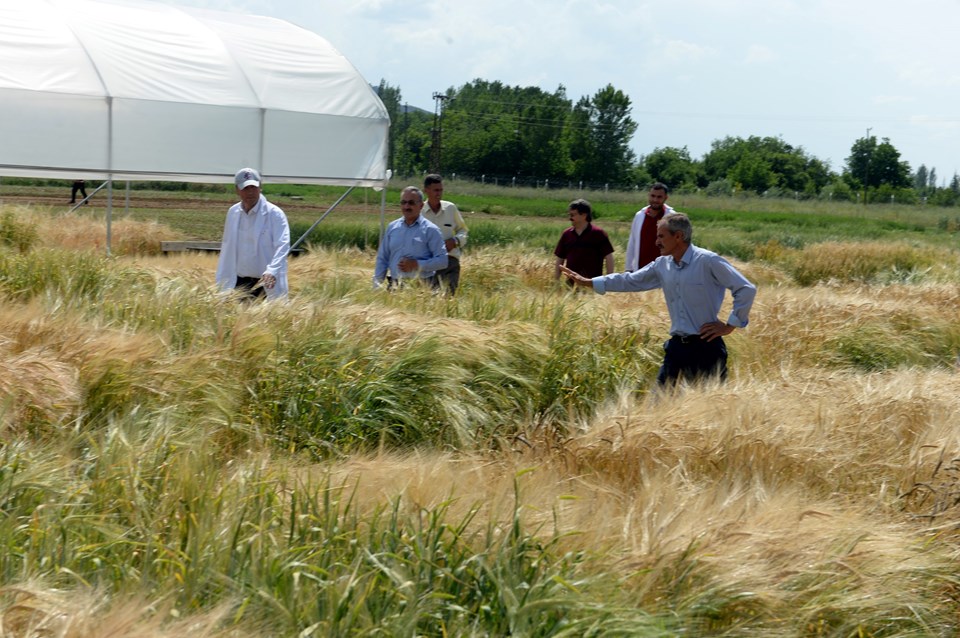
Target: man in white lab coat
{"points": [[256, 242]]}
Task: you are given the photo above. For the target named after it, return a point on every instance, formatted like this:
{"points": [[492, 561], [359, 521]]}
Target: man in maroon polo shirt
{"points": [[642, 244], [584, 247]]}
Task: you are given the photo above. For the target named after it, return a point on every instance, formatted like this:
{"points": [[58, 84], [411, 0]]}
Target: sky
{"points": [[817, 73]]}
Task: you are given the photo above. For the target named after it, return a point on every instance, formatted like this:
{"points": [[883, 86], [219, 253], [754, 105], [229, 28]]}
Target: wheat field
{"points": [[355, 462]]}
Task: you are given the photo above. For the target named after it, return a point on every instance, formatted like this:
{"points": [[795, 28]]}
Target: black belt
{"points": [[687, 338]]}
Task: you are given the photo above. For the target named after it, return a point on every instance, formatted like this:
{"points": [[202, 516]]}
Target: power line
{"points": [[539, 122], [482, 101], [794, 118], [520, 120]]}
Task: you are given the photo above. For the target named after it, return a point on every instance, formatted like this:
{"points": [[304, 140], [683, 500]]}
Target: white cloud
{"points": [[680, 52], [670, 56], [894, 99], [928, 74], [759, 54], [936, 123]]}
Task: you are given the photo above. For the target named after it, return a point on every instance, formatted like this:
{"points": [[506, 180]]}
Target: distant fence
{"points": [[539, 182]]}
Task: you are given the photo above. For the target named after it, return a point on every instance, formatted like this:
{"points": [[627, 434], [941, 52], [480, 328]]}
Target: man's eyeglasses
{"points": [[411, 202]]}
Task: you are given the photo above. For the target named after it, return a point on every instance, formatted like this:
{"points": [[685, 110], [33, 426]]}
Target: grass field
{"points": [[352, 462]]}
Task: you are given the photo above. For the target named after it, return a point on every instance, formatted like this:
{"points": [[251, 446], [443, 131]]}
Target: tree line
{"points": [[527, 136]]}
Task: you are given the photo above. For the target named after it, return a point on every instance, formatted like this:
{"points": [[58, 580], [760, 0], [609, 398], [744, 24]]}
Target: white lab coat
{"points": [[273, 246], [633, 242]]}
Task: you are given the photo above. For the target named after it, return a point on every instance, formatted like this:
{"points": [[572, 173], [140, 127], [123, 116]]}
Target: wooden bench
{"points": [[180, 246], [202, 246]]}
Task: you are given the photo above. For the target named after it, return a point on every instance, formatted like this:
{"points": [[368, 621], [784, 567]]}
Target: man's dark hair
{"points": [[582, 206], [660, 186], [432, 179]]}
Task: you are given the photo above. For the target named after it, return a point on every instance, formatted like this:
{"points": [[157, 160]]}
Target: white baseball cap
{"points": [[247, 177]]}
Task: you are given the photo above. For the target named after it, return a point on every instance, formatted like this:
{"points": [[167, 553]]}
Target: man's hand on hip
{"points": [[714, 329]]}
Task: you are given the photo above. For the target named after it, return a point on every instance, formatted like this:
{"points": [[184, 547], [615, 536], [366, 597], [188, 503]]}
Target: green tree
{"points": [[838, 190], [414, 144], [390, 96], [818, 175], [762, 163], [497, 130], [948, 196], [887, 167], [672, 166], [920, 179], [722, 157], [872, 165], [579, 142], [612, 131], [479, 135], [598, 136], [541, 150], [640, 177], [753, 173], [858, 162]]}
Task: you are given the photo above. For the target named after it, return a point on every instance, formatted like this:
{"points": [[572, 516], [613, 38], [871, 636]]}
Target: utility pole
{"points": [[435, 163], [866, 169]]}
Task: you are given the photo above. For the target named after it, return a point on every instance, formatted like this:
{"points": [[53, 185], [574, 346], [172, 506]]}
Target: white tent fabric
{"points": [[138, 90]]}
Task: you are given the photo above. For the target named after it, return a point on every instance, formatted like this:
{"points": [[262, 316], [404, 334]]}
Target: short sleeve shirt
{"points": [[584, 253]]}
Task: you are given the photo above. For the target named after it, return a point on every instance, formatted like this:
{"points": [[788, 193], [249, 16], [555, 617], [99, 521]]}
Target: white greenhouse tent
{"points": [[140, 90]]}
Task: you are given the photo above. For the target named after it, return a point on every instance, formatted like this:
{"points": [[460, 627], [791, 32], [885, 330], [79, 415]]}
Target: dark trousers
{"points": [[77, 187], [406, 282], [692, 358], [449, 276], [248, 286]]}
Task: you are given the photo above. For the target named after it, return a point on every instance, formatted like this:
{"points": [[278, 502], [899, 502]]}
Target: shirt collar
{"points": [[686, 258]]}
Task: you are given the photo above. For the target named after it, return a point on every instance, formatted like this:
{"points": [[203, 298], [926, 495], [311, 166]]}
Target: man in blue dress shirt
{"points": [[694, 282], [412, 248]]}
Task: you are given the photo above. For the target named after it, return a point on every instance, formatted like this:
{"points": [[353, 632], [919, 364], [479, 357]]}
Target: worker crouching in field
{"points": [[694, 282]]}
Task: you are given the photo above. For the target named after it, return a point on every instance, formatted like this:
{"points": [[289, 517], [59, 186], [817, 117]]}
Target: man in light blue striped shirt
{"points": [[694, 282], [412, 247]]}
